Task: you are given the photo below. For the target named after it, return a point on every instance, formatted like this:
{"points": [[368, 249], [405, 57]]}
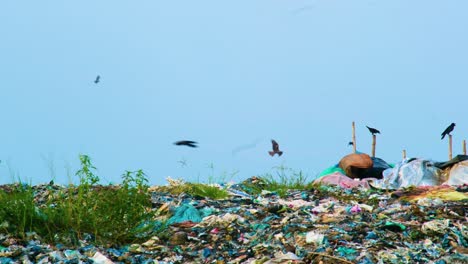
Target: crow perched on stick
{"points": [[275, 149], [373, 130], [448, 130], [187, 143]]}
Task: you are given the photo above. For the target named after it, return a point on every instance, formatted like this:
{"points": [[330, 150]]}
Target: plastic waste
{"points": [[323, 223], [410, 172], [99, 258], [342, 181], [431, 195], [332, 170], [458, 174], [315, 238], [450, 163], [185, 212], [378, 166]]}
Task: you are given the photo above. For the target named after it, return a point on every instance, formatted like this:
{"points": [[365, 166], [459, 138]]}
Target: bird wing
{"points": [[373, 130], [275, 145], [445, 132], [185, 142], [452, 126], [448, 130]]}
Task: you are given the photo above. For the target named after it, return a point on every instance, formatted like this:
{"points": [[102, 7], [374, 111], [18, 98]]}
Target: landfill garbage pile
{"points": [[359, 169], [322, 224]]}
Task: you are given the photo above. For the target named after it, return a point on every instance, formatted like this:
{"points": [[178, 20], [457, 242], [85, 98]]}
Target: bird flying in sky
{"points": [[187, 143], [246, 147], [350, 143], [97, 79], [448, 130], [275, 149], [183, 162], [373, 130]]}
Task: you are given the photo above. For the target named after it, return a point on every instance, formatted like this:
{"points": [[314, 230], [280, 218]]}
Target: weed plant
{"points": [[208, 191], [196, 190], [284, 180], [113, 215], [18, 212]]}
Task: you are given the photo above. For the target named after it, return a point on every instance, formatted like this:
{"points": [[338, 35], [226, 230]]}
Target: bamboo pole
{"points": [[464, 147], [374, 139], [404, 154], [354, 137], [450, 147]]}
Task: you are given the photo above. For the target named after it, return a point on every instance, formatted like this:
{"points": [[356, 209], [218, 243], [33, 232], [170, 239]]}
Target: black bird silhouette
{"points": [[448, 130], [275, 149], [373, 130], [187, 143], [97, 79], [350, 143]]}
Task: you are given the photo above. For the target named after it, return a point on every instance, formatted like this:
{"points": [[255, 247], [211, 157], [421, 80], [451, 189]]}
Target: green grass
{"points": [[110, 214], [113, 215], [202, 190], [196, 190], [281, 182], [18, 211], [102, 214]]}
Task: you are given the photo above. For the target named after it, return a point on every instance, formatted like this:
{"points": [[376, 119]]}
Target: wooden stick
{"points": [[450, 147], [404, 154], [464, 147], [374, 139], [354, 138]]}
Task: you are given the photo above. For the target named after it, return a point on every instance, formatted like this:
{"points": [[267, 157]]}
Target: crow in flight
{"points": [[373, 130], [350, 143], [448, 130], [97, 79], [275, 149], [187, 143]]}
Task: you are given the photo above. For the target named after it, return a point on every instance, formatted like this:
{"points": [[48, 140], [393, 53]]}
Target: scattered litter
{"points": [[408, 216]]}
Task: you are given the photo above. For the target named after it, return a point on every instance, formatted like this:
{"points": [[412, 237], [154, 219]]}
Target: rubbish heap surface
{"points": [[322, 224]]}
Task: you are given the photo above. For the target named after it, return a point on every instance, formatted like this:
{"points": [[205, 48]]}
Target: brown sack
{"points": [[356, 165]]}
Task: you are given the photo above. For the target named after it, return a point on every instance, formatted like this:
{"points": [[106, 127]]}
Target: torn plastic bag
{"points": [[331, 170], [379, 165], [410, 172], [458, 174], [341, 180], [185, 212]]}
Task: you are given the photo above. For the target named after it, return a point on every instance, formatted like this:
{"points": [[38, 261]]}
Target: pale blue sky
{"points": [[228, 75]]}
